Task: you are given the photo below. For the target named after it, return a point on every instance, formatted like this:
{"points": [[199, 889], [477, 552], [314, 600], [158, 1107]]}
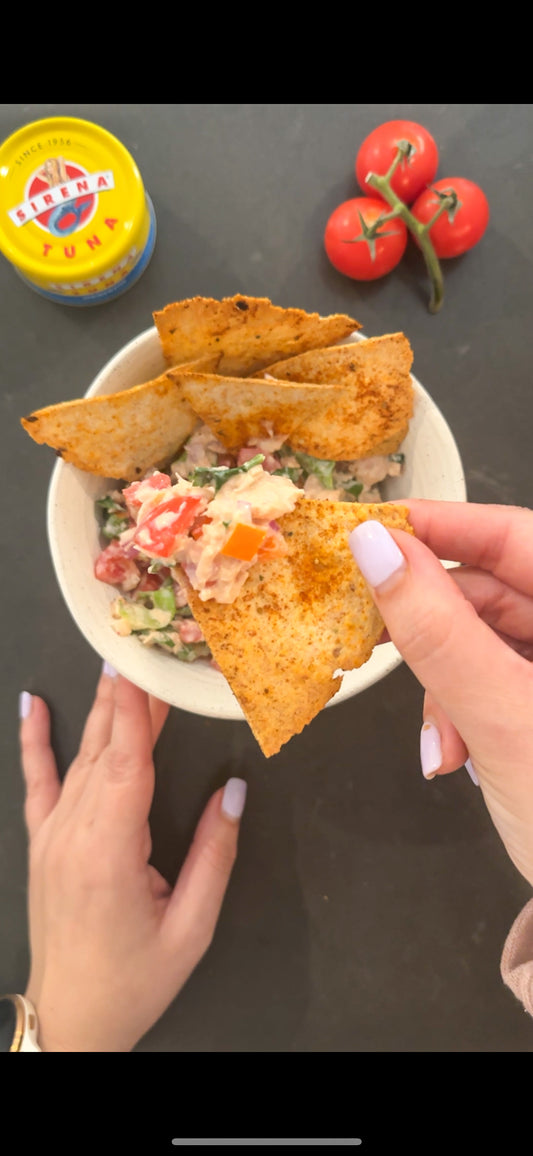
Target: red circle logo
{"points": [[75, 211]]}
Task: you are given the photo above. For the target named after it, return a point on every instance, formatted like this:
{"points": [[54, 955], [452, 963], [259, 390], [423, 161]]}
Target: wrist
{"points": [[63, 1029]]}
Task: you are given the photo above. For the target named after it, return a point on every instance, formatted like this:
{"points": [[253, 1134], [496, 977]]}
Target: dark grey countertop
{"points": [[368, 908]]}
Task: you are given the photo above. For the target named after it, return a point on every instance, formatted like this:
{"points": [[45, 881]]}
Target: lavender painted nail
{"points": [[25, 703], [430, 749], [471, 772], [109, 670], [375, 552], [234, 798]]}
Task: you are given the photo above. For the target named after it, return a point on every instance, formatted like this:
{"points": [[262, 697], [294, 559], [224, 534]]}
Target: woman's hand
{"points": [[111, 942], [467, 635]]}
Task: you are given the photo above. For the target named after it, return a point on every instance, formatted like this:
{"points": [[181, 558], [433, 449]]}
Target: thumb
{"points": [[195, 903], [465, 666]]}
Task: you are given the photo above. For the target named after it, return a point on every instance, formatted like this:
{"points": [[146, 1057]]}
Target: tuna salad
{"points": [[210, 516]]}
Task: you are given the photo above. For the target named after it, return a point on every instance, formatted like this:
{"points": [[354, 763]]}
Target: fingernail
{"points": [[471, 772], [234, 798], [25, 702], [430, 749], [375, 552], [109, 670]]}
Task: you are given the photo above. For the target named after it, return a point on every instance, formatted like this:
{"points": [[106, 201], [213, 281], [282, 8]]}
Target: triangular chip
{"points": [[375, 361], [297, 620], [119, 435], [249, 332], [345, 421], [378, 370]]}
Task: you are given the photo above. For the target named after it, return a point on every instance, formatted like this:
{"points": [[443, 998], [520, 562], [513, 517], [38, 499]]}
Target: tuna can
{"points": [[75, 219]]}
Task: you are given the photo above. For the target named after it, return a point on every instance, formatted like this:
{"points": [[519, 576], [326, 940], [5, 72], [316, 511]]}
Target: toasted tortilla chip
{"points": [[377, 360], [119, 435], [298, 620], [377, 369], [351, 419], [249, 332]]}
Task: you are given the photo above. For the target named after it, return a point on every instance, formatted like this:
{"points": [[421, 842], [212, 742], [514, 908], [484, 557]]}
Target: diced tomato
{"points": [[160, 532], [114, 566], [189, 631], [156, 481], [152, 581]]}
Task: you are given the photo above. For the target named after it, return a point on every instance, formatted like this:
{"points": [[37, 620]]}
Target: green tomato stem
{"points": [[400, 155], [420, 231]]}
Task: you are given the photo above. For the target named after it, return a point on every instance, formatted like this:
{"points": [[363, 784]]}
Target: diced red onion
{"points": [[190, 570], [246, 455], [271, 464]]}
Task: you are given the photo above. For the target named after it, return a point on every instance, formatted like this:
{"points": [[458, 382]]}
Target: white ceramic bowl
{"points": [[433, 470]]}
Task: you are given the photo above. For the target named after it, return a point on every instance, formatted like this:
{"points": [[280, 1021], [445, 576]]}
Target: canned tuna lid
{"points": [[75, 219]]}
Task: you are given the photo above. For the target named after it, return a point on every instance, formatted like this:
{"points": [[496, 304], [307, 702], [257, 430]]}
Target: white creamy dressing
{"points": [[254, 497]]}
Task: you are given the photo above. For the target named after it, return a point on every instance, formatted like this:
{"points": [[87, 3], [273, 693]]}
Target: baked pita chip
{"points": [[298, 620], [249, 332], [344, 421], [119, 435]]}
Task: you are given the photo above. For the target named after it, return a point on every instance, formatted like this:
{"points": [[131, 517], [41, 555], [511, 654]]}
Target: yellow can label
{"points": [[74, 215]]}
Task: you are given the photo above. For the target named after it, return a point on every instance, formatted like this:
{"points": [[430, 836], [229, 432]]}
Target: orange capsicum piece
{"points": [[244, 542]]}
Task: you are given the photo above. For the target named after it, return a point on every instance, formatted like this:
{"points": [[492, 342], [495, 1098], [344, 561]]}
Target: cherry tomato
{"points": [[160, 532], [138, 492], [379, 149], [349, 250], [459, 230], [114, 566]]}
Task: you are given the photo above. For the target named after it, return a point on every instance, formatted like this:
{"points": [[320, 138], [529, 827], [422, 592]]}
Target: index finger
{"points": [[498, 539], [478, 680]]}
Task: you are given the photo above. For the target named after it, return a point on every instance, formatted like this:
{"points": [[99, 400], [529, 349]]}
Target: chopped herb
{"points": [[353, 487], [183, 612], [217, 475], [292, 472], [165, 640], [194, 650], [109, 504], [115, 525], [321, 468], [397, 458]]}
